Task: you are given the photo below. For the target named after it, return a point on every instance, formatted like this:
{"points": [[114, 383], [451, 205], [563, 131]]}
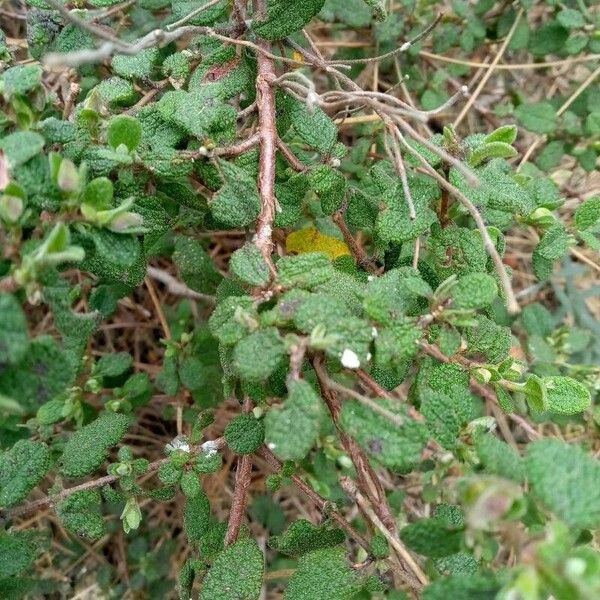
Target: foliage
{"points": [[209, 260]]}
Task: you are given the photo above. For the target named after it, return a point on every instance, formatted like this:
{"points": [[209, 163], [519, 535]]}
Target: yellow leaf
{"points": [[312, 240], [298, 57]]}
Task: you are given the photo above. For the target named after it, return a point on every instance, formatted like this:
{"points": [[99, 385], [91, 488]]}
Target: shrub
{"points": [[346, 311]]}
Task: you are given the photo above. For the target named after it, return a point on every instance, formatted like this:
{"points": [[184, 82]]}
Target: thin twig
{"points": [[362, 258], [350, 488], [511, 66], [403, 48], [292, 159], [54, 499], [315, 498], [177, 288], [158, 308], [511, 302], [489, 72], [582, 87], [394, 418], [367, 477], [192, 14]]}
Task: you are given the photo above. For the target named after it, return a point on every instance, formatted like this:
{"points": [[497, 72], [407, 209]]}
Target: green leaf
{"points": [[116, 91], [475, 290], [554, 244], [396, 292], [535, 393], [245, 433], [566, 480], [570, 18], [302, 537], [397, 341], [138, 66], [539, 117], [551, 155], [506, 134], [498, 458], [284, 18], [462, 587], [22, 467], [21, 79], [237, 203], [248, 264], [566, 396], [268, 512], [266, 344], [460, 563], [378, 8], [588, 214], [182, 8], [195, 265], [204, 115], [487, 338], [446, 412], [301, 414], [21, 146], [233, 319], [18, 550], [592, 123], [87, 448], [124, 130], [537, 319], [190, 484], [81, 514], [305, 270], [14, 340], [112, 256], [314, 128], [396, 447], [236, 573], [196, 517], [113, 365], [323, 574], [333, 327], [550, 38], [354, 13], [490, 150], [329, 185], [43, 373], [432, 537], [394, 223]]}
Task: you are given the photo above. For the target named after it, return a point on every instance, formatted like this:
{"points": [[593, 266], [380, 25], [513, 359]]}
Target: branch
{"points": [[478, 388], [240, 498], [368, 480], [317, 500], [362, 258], [265, 100], [403, 48], [230, 151], [102, 481], [243, 478], [511, 302], [350, 488], [113, 45], [292, 159], [397, 420], [177, 288], [192, 14]]}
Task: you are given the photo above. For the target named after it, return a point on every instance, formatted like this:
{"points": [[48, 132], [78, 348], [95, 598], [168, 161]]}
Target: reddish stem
{"points": [[240, 498], [368, 481]]}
